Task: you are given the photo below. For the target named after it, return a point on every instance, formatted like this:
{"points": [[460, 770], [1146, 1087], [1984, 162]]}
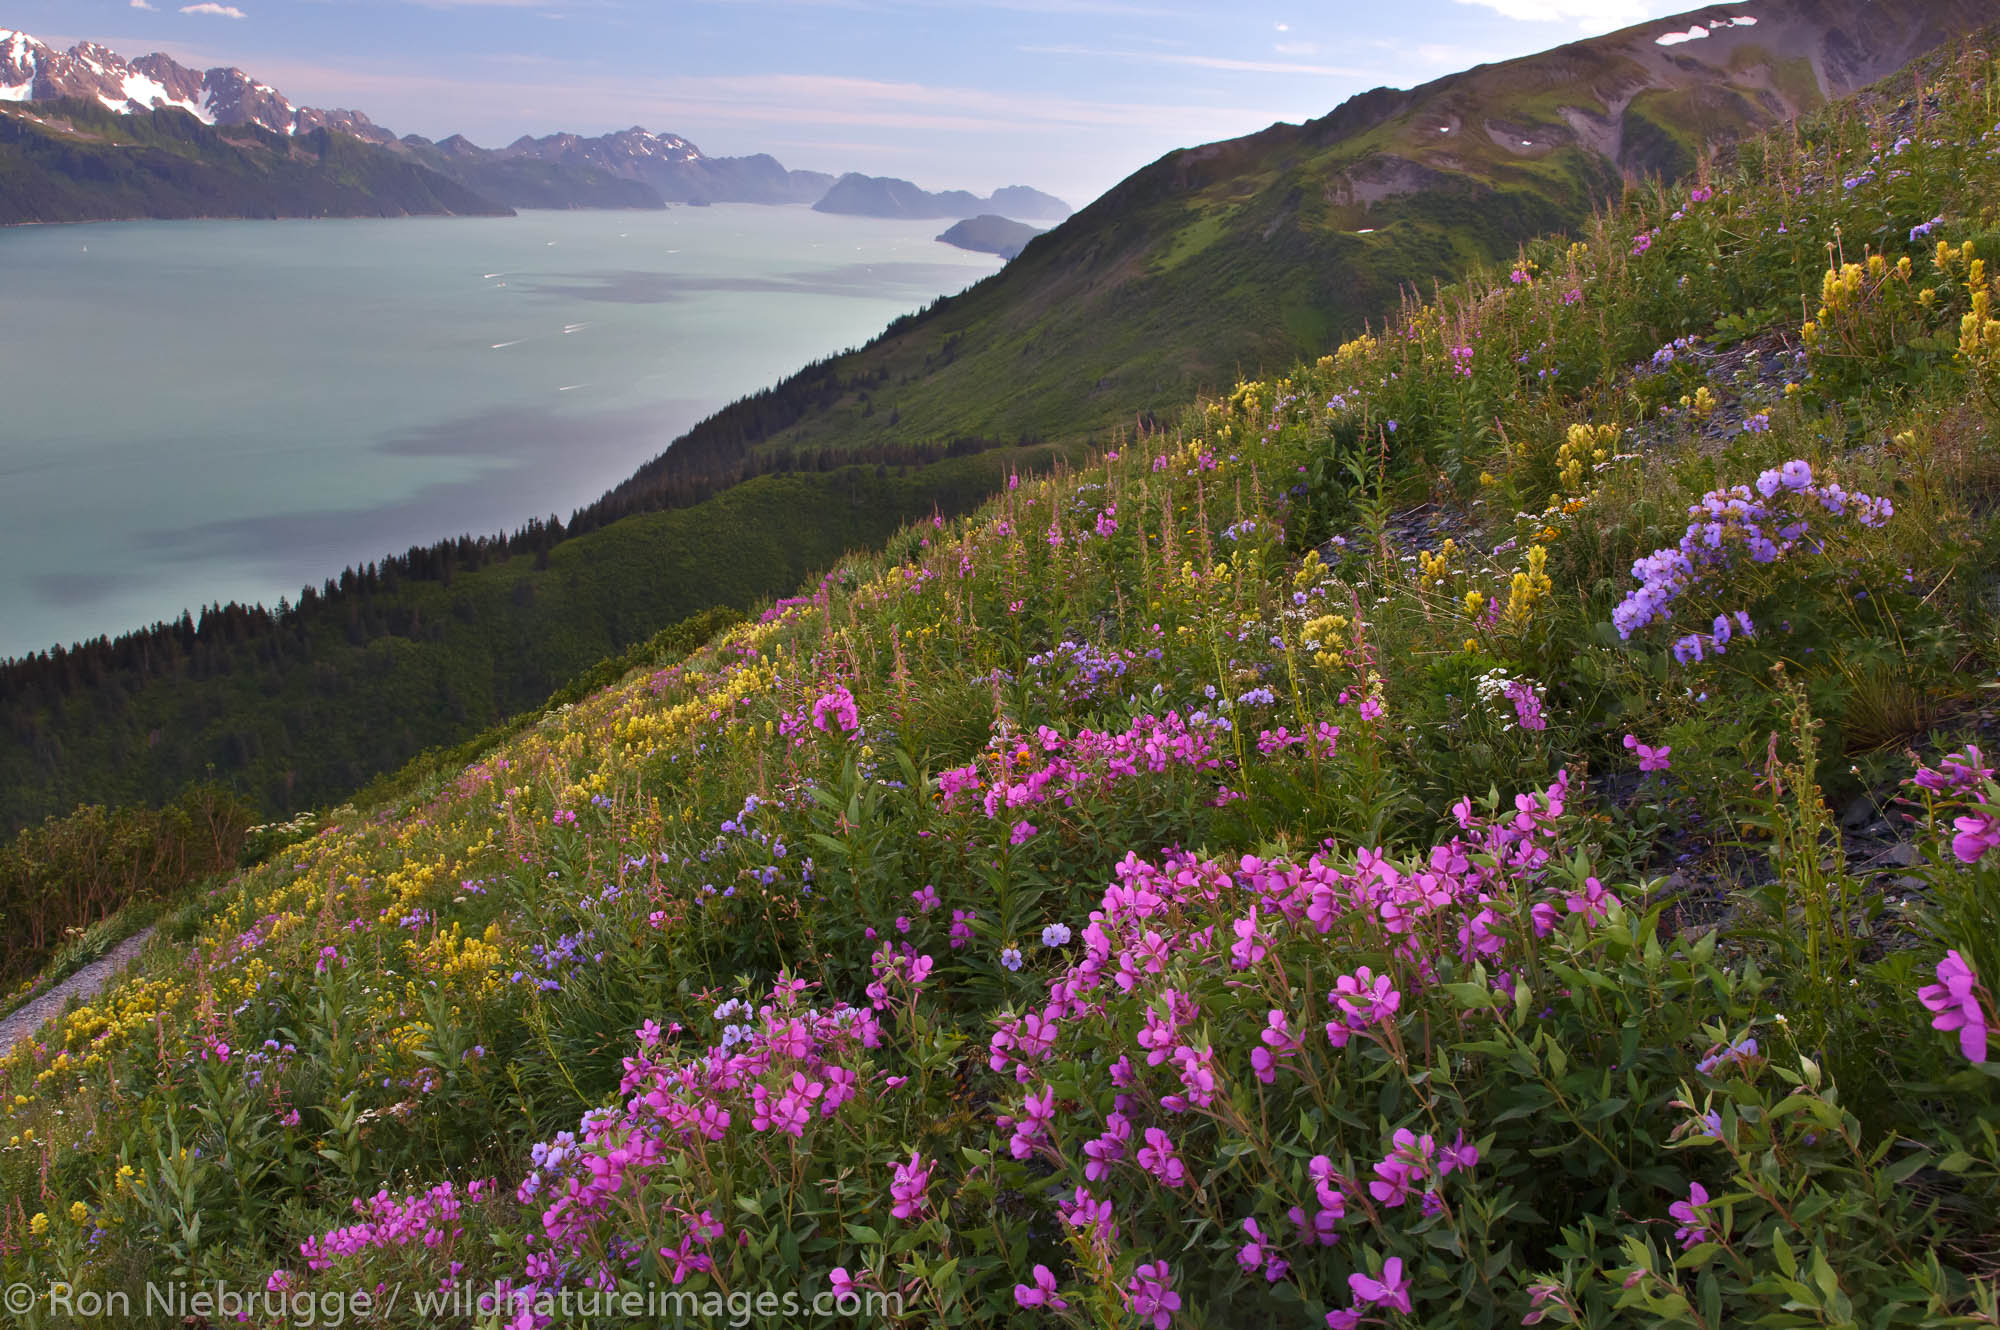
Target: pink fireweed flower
{"points": [[837, 707], [1693, 1228], [1461, 1153], [1957, 771], [1021, 832], [1157, 1157], [1955, 998], [1650, 758], [1252, 1255], [1364, 999], [1149, 1293], [1249, 947], [1197, 1067], [1278, 1043], [926, 898], [1978, 832], [908, 1186], [1593, 903], [1392, 1184], [1042, 1293], [1391, 1290], [1100, 1154]]}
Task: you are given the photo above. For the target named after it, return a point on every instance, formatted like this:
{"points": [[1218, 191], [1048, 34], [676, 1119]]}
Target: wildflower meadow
{"points": [[1493, 827]]}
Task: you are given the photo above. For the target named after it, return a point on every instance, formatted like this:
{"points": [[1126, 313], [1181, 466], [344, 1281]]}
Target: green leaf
{"points": [[863, 1233], [1787, 1261]]}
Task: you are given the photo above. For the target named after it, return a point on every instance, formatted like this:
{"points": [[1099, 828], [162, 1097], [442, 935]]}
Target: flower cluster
{"points": [[1763, 525]]}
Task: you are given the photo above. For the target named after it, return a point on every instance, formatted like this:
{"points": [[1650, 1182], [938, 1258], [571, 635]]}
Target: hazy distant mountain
{"points": [[677, 170], [988, 234], [528, 182], [885, 196]]}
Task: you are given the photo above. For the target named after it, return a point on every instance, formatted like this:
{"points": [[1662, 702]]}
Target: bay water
{"points": [[198, 412]]}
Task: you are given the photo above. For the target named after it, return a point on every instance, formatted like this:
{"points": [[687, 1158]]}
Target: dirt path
{"points": [[85, 983]]}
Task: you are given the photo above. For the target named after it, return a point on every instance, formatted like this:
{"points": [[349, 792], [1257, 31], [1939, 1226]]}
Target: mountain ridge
{"points": [[886, 196], [630, 168]]}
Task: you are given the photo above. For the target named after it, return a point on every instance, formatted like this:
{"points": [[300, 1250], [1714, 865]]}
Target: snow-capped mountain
{"points": [[629, 168], [677, 170], [31, 70]]}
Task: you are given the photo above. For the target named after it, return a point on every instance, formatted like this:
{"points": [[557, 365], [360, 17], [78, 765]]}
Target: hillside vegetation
{"points": [[1210, 262], [298, 709], [76, 161], [1486, 828]]}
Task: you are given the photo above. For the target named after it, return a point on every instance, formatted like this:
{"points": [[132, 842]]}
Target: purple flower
{"points": [[1738, 1053], [908, 1186], [1693, 1228], [1593, 903], [1157, 1157], [1978, 832], [1391, 1290], [1650, 757], [1955, 999], [1149, 1293], [1042, 1293]]}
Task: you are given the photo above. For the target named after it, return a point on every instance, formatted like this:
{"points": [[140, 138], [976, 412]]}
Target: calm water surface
{"points": [[194, 412]]}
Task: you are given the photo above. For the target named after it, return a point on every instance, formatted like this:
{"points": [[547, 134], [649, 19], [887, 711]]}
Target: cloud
{"points": [[1590, 15], [1296, 48], [141, 4], [209, 7], [1207, 62]]}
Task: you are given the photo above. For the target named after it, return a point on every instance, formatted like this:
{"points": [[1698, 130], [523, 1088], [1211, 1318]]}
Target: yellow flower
{"points": [[78, 1212], [1529, 586], [38, 1225]]}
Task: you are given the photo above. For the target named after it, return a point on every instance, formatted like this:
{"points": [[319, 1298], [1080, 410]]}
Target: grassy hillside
{"points": [[76, 161], [300, 711], [1488, 827], [1210, 262]]}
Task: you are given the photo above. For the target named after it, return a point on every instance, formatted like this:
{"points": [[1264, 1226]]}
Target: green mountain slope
{"points": [[75, 161], [1240, 255]]}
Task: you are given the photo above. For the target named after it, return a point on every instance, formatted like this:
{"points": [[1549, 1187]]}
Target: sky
{"points": [[1069, 96]]}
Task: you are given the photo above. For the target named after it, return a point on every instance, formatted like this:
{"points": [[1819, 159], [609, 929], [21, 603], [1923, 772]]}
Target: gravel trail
{"points": [[85, 983]]}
